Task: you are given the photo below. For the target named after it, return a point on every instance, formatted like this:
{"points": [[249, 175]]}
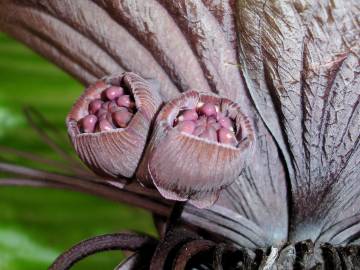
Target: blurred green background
{"points": [[36, 225]]}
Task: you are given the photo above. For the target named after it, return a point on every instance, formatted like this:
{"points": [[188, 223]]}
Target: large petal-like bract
{"points": [[292, 66]]}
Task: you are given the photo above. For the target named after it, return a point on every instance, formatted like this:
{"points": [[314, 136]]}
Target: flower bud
{"points": [[110, 139], [193, 156]]}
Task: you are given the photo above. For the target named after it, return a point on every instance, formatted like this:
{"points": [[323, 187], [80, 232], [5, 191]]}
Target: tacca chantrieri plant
{"points": [[277, 79]]}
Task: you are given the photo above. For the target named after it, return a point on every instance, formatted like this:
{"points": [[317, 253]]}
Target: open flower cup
{"points": [[184, 166], [115, 150]]}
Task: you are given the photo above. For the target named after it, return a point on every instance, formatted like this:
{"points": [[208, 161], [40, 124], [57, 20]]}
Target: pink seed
{"points": [[225, 136], [211, 120], [186, 126], [219, 115], [209, 134], [101, 112], [105, 125], [112, 106], [124, 101], [122, 118], [199, 130], [95, 105], [105, 105], [109, 118], [208, 109], [117, 108], [88, 123], [102, 116], [188, 115], [201, 121], [113, 92], [225, 122], [215, 125]]}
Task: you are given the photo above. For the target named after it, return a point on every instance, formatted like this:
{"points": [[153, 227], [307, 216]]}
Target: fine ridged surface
{"points": [[223, 223], [208, 40], [117, 152], [300, 62], [161, 36], [263, 184], [90, 22], [302, 67], [184, 167]]}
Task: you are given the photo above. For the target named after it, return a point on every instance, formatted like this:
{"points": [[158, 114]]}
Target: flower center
{"points": [[113, 108], [207, 122]]}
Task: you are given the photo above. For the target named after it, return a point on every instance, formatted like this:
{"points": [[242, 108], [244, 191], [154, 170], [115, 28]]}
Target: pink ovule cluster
{"points": [[113, 108], [207, 122]]}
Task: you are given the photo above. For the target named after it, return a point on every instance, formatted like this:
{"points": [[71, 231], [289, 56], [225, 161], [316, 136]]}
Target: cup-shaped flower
{"points": [[110, 122], [198, 147]]}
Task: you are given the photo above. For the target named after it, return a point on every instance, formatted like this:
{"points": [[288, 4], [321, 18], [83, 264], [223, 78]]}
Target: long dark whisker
{"points": [[34, 173], [175, 216], [60, 165], [39, 174], [32, 116], [159, 207], [117, 241], [36, 116]]}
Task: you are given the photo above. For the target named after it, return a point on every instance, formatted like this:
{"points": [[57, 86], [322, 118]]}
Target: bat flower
{"points": [[109, 124], [198, 147], [292, 67]]}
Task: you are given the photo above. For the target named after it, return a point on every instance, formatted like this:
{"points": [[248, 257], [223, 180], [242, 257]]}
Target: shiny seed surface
{"points": [[113, 92], [113, 108], [207, 122], [88, 123]]}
